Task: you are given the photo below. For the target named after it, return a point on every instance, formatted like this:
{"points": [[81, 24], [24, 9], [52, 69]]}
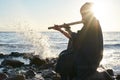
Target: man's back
{"points": [[89, 52]]}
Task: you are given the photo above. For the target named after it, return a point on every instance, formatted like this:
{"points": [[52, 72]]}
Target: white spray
{"points": [[37, 39]]}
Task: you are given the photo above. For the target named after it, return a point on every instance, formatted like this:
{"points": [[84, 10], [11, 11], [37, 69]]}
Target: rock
{"points": [[30, 74], [16, 54], [28, 55], [13, 63], [51, 60], [3, 76], [48, 73], [37, 61], [118, 77], [48, 79], [16, 77], [105, 75], [2, 55], [46, 66], [39, 77]]}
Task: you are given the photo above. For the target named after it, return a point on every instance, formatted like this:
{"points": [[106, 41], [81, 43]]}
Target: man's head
{"points": [[86, 10]]}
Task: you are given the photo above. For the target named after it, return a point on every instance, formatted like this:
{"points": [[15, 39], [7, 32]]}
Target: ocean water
{"points": [[52, 43]]}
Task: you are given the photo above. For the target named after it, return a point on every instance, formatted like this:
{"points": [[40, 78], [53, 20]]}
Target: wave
{"points": [[112, 40], [112, 45], [15, 45]]}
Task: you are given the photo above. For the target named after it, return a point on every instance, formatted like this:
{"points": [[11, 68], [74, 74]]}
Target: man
{"points": [[90, 48], [87, 44]]}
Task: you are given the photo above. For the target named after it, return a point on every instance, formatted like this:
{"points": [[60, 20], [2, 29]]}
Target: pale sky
{"points": [[40, 14]]}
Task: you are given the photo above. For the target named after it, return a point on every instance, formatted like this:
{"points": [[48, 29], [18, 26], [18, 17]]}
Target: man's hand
{"points": [[67, 27], [56, 27]]}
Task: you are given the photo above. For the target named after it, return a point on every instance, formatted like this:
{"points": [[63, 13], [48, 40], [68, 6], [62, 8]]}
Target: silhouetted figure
{"points": [[90, 48], [85, 48]]}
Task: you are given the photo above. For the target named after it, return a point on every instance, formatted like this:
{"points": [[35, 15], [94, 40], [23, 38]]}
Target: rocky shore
{"points": [[38, 69]]}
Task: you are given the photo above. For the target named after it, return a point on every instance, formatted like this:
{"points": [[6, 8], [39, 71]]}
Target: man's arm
{"points": [[67, 34]]}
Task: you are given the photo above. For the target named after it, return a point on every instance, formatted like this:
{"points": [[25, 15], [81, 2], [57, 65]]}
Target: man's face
{"points": [[86, 16]]}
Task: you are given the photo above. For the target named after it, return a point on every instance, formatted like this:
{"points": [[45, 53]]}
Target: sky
{"points": [[41, 14]]}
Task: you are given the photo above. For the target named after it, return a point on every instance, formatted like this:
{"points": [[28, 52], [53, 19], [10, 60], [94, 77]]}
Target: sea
{"points": [[50, 44]]}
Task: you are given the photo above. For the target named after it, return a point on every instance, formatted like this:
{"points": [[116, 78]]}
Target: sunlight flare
{"points": [[98, 10]]}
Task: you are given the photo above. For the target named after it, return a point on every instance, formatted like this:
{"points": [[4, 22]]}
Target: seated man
{"points": [[87, 45]]}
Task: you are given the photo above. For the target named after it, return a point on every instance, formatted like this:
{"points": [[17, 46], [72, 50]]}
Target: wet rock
{"points": [[46, 66], [48, 79], [35, 60], [2, 55], [30, 74], [4, 70], [48, 73], [13, 63], [39, 77], [16, 54], [51, 60], [3, 76], [118, 77], [16, 77], [28, 55], [50, 64], [105, 75]]}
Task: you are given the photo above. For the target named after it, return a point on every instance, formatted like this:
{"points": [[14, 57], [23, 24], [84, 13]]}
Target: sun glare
{"points": [[97, 10]]}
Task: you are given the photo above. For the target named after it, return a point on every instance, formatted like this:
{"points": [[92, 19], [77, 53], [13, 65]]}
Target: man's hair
{"points": [[86, 8]]}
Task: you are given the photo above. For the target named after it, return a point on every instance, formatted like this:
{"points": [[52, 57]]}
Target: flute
{"points": [[72, 23]]}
